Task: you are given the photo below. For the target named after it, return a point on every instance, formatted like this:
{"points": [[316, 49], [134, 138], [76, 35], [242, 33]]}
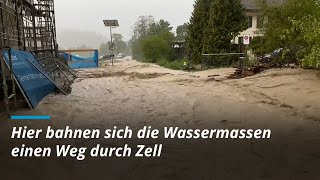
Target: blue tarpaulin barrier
{"points": [[76, 62], [33, 81]]}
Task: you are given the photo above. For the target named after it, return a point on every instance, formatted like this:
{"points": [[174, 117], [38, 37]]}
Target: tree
{"points": [[119, 45], [157, 28], [293, 26], [157, 45], [141, 27], [147, 33], [162, 29], [214, 23], [155, 48], [309, 28], [140, 31], [182, 32], [197, 25], [226, 20]]}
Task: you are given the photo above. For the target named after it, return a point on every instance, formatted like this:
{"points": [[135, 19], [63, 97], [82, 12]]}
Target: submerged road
{"points": [[136, 95]]}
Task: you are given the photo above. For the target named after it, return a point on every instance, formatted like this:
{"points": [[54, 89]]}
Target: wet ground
{"points": [[136, 95]]}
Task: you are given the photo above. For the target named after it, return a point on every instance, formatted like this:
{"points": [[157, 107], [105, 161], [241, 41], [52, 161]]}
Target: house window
{"points": [[249, 21]]}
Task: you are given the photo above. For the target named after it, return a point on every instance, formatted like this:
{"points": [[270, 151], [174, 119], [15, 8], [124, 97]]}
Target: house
{"points": [[255, 21]]}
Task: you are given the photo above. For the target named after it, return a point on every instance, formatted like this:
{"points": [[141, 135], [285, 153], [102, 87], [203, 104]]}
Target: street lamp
{"points": [[111, 24]]}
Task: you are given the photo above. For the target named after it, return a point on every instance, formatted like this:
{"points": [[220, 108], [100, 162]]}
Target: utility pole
{"points": [[111, 48], [111, 24]]}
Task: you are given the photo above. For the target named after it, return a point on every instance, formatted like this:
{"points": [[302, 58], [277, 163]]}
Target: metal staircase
{"points": [[61, 75]]}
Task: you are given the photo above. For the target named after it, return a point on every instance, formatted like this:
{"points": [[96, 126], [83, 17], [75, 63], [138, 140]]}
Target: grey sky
{"points": [[88, 14]]}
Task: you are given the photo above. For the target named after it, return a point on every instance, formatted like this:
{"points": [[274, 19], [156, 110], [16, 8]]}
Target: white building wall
{"points": [[253, 31]]}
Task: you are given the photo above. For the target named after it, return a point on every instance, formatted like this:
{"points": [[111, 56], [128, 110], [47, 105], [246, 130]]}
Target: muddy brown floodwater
{"points": [[136, 94]]}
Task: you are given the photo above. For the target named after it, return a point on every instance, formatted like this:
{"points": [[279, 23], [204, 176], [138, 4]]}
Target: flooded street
{"points": [[136, 94], [92, 92]]}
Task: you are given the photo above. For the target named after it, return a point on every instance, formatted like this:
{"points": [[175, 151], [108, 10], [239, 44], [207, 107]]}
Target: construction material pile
{"points": [[247, 72]]}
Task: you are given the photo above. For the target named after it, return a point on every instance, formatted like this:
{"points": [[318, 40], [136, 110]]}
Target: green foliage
{"points": [[293, 26], [140, 31], [220, 61], [227, 20], [214, 23], [155, 48], [182, 32], [152, 40], [175, 65], [312, 60], [310, 28], [197, 25], [257, 46], [160, 27]]}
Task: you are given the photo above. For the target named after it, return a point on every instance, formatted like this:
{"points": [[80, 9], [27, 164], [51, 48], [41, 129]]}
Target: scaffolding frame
{"points": [[27, 25]]}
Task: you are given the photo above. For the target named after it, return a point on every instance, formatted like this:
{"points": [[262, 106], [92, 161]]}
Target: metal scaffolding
{"points": [[27, 25]]}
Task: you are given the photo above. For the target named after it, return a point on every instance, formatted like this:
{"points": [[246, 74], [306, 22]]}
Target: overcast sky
{"points": [[88, 14]]}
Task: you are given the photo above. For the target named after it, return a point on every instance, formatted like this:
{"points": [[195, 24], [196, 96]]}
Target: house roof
{"points": [[249, 4], [252, 4]]}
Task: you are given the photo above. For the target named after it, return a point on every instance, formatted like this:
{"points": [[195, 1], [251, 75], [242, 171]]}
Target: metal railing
{"points": [[223, 60]]}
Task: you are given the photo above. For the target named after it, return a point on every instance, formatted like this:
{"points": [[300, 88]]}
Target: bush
{"points": [[220, 61], [312, 60], [155, 48], [175, 65], [257, 46], [309, 27], [295, 27]]}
